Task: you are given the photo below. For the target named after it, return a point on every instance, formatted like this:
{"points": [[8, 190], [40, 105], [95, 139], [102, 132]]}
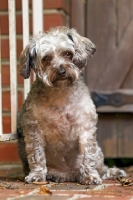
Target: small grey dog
{"points": [[57, 122]]}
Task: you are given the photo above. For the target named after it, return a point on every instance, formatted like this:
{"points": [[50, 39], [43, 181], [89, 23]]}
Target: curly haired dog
{"points": [[57, 123]]}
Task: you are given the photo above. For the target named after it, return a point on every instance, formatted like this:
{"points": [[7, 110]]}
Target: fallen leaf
{"points": [[5, 186], [2, 187], [125, 181], [45, 190]]}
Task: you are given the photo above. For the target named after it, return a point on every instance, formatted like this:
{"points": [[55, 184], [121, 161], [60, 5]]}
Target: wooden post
{"points": [[13, 75], [13, 64], [37, 16], [25, 15]]}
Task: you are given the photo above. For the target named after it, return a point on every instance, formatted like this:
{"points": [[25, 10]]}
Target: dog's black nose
{"points": [[61, 72]]}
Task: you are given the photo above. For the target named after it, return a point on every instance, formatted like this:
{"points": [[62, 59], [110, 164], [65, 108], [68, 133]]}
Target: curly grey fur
{"points": [[57, 122]]}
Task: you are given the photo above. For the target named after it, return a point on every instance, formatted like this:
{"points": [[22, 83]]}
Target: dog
{"points": [[57, 122]]}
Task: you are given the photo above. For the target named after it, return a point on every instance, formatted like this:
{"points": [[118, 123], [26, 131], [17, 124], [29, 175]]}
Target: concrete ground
{"points": [[13, 187]]}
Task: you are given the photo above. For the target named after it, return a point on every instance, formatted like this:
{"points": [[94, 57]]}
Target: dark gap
{"points": [[118, 162]]}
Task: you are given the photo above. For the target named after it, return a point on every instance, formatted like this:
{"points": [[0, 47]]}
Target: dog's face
{"points": [[57, 57]]}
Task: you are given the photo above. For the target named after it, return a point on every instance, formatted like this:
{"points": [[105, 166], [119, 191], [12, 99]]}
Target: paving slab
{"points": [[12, 186]]}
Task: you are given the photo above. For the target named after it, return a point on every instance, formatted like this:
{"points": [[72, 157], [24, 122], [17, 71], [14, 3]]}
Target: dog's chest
{"points": [[60, 120], [60, 116]]}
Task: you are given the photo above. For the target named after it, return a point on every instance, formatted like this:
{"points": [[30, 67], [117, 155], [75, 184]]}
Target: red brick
{"points": [[6, 76], [19, 24], [58, 4], [6, 124], [52, 20], [19, 4], [49, 20], [8, 152], [5, 48], [4, 22], [4, 4], [6, 100]]}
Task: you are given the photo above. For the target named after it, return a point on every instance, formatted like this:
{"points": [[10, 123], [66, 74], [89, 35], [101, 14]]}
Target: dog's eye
{"points": [[68, 54], [46, 59]]}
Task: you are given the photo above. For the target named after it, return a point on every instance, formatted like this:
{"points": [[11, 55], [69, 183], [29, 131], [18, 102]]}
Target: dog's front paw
{"points": [[35, 177], [91, 180]]}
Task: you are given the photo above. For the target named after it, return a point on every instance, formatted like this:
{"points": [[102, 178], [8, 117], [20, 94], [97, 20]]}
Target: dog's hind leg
{"points": [[22, 151], [113, 173], [105, 172]]}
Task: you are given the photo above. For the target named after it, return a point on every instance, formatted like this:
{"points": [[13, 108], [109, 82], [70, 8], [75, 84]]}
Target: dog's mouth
{"points": [[61, 78], [62, 81]]}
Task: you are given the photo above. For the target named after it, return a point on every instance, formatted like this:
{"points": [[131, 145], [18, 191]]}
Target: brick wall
{"points": [[55, 13]]}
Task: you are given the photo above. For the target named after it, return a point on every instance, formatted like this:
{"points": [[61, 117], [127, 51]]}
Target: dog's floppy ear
{"points": [[84, 48], [27, 60]]}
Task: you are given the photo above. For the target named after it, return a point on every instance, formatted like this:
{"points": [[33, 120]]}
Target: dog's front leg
{"points": [[35, 149], [88, 154]]}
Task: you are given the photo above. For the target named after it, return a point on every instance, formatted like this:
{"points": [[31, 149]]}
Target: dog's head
{"points": [[58, 57]]}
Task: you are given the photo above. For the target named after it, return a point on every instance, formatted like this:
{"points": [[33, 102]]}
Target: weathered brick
{"points": [[9, 152], [52, 20], [5, 48], [4, 23], [6, 124], [58, 4], [6, 101], [6, 75], [4, 5], [6, 104]]}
